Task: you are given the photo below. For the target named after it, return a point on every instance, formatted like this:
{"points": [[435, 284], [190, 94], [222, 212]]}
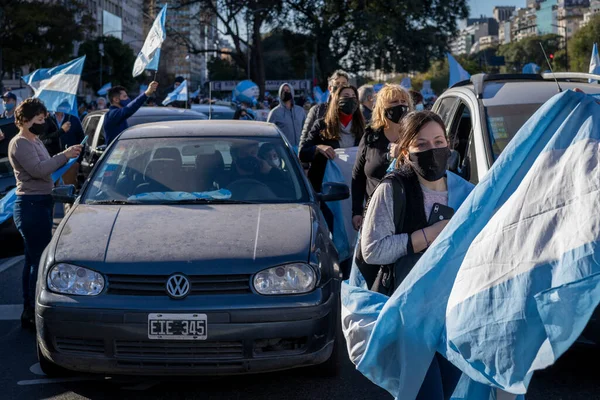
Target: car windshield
{"points": [[505, 121], [197, 170]]}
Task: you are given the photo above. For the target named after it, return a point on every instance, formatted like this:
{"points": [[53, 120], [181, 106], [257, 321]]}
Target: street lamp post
{"points": [[566, 45]]}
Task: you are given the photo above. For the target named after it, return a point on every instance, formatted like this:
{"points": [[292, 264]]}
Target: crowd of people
{"points": [[389, 128]]}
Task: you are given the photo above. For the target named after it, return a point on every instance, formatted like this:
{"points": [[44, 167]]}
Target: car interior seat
{"points": [[161, 175], [210, 169]]}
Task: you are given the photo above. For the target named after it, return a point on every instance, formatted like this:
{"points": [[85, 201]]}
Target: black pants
{"points": [[33, 218]]}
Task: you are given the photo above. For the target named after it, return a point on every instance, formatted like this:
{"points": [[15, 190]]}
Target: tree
{"points": [[117, 62], [242, 21], [362, 35], [580, 45], [528, 50], [38, 33], [224, 70]]}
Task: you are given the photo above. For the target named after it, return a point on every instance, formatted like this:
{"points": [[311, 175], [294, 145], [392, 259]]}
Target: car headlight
{"points": [[71, 279], [286, 279]]}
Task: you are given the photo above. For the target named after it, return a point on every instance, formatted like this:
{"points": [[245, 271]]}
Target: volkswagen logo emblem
{"points": [[178, 286]]}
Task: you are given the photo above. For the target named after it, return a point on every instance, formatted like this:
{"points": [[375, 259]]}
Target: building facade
{"points": [[570, 15], [503, 13], [121, 19], [592, 12], [547, 17], [468, 38]]}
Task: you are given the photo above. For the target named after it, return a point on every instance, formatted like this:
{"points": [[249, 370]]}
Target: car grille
{"points": [[74, 345], [174, 350], [154, 285]]}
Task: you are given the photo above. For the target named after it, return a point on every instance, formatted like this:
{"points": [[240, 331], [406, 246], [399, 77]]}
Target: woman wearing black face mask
{"points": [[33, 167], [421, 159], [373, 157], [343, 126]]}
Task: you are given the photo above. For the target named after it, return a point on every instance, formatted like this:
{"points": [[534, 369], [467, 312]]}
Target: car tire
{"points": [[49, 368]]}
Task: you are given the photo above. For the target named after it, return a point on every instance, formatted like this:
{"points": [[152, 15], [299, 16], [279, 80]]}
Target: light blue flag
{"points": [[320, 97], [531, 68], [511, 282], [594, 63], [195, 94], [179, 94], [57, 87], [246, 92], [406, 83], [377, 87], [104, 89], [457, 72], [149, 56]]}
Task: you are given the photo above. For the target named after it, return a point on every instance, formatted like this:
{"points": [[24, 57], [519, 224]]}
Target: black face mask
{"points": [[38, 129], [287, 96], [431, 164], [348, 105], [396, 113], [248, 163]]}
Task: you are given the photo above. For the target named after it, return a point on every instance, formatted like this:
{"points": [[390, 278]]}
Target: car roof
{"points": [[204, 128], [215, 107], [515, 89], [148, 111]]}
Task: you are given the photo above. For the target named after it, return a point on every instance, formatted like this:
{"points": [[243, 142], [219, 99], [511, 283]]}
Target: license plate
{"points": [[177, 326]]}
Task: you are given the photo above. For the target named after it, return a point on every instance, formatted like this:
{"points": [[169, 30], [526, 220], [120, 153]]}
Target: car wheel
{"points": [[49, 368]]}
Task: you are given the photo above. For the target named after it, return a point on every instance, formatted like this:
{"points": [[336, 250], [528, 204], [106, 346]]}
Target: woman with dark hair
{"points": [[421, 158], [343, 126], [33, 168]]}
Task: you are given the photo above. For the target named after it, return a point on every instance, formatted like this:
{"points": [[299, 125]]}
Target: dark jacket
{"points": [[372, 162], [75, 134], [115, 120], [277, 180], [367, 114], [51, 137], [314, 114], [308, 153]]}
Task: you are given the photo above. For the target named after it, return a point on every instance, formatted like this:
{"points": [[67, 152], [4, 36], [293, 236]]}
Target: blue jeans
{"points": [[440, 381], [33, 218]]}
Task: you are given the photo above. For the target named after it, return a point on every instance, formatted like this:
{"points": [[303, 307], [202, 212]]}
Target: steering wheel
{"points": [[250, 189]]}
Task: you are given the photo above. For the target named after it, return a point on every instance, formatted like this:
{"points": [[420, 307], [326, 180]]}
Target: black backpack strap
{"points": [[372, 273]]}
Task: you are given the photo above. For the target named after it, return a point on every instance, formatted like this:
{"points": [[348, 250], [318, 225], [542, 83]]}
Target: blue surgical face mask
{"points": [[124, 103], [419, 107], [9, 106]]}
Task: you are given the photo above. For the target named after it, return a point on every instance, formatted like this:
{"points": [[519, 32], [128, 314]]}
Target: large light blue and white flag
{"points": [[246, 92], [57, 87], [594, 63], [320, 97], [103, 91], [457, 72], [179, 94], [149, 56], [514, 278]]}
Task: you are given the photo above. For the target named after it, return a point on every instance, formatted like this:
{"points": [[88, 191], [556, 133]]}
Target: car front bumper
{"points": [[239, 341]]}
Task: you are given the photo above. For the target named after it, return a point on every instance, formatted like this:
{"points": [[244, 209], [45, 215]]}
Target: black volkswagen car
{"points": [[193, 248]]}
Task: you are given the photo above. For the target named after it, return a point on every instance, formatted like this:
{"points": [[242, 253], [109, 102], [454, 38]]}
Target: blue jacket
{"points": [[75, 134], [115, 120]]}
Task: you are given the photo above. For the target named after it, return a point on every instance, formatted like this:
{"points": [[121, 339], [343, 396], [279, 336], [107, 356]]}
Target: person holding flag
{"points": [[121, 108], [33, 207]]}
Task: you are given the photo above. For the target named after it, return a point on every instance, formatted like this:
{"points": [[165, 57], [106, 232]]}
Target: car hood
{"points": [[218, 239]]}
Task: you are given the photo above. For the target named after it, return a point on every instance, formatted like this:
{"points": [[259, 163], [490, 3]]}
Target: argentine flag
{"points": [[104, 89], [595, 63], [179, 94], [514, 278], [457, 72], [149, 56], [57, 87]]}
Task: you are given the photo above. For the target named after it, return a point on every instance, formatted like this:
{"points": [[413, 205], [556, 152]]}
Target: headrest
{"points": [[167, 153]]}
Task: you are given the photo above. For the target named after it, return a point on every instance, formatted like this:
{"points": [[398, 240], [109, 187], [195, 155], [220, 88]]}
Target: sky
{"points": [[486, 7]]}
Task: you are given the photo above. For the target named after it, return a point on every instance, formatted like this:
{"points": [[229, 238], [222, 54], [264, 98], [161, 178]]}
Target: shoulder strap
{"points": [[399, 198]]}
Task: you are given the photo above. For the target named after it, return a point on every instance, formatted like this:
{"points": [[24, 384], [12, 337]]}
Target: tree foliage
{"points": [[38, 33], [528, 50], [361, 35], [580, 46], [116, 64]]}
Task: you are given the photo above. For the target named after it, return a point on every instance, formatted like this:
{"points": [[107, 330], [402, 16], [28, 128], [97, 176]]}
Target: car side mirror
{"points": [[453, 161], [334, 192], [64, 194]]}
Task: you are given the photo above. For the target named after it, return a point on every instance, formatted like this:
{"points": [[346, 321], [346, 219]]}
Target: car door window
{"points": [[91, 128], [444, 110], [460, 134]]}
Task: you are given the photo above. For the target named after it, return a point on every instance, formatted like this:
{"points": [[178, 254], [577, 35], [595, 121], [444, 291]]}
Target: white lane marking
{"points": [[36, 369], [11, 262], [10, 312], [59, 380]]}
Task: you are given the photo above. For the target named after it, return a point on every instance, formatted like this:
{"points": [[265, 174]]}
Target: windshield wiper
{"points": [[112, 202], [208, 201]]}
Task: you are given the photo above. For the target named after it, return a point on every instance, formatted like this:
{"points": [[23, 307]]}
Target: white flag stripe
{"points": [[539, 209], [66, 83]]}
